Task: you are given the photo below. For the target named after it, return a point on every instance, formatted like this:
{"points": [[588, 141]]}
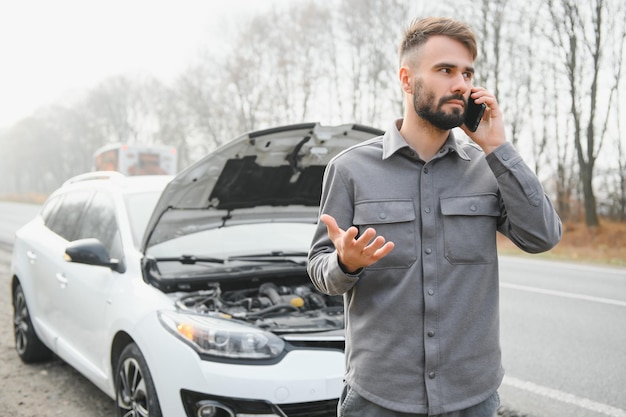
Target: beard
{"points": [[424, 104]]}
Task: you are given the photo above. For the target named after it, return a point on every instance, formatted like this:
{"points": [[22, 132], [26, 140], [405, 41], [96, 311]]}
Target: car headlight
{"points": [[222, 337]]}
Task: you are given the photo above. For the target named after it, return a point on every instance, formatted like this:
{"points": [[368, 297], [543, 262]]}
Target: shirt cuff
{"points": [[503, 158], [338, 271]]}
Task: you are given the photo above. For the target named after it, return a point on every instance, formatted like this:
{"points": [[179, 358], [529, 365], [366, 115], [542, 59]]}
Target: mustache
{"points": [[444, 100]]}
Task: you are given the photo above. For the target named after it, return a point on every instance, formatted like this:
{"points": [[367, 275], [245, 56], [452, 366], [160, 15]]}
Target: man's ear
{"points": [[405, 79]]}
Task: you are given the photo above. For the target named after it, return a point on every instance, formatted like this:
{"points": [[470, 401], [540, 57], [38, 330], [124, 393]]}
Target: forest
{"points": [[556, 67]]}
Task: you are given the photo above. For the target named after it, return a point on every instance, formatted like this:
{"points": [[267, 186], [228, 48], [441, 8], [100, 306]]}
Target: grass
{"points": [[28, 198], [605, 244]]}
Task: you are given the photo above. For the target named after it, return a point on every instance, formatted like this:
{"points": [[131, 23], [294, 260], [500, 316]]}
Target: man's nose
{"points": [[460, 85]]}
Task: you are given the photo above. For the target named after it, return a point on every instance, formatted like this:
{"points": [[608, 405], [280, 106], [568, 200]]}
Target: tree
{"points": [[619, 49], [278, 65], [580, 36], [122, 109], [556, 70], [199, 114], [367, 59]]}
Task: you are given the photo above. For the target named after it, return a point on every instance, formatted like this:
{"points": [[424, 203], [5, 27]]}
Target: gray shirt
{"points": [[422, 324]]}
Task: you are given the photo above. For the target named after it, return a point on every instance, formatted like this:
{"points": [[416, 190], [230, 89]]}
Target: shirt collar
{"points": [[393, 142]]}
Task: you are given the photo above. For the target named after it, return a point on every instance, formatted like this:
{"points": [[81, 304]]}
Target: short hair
{"points": [[420, 30]]}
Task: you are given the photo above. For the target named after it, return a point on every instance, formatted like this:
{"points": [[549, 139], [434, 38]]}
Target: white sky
{"points": [[50, 49]]}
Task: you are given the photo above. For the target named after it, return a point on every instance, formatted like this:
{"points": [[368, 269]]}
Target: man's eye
{"points": [[445, 70]]}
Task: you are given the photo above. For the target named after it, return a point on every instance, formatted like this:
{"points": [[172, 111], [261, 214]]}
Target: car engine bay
{"points": [[281, 309]]}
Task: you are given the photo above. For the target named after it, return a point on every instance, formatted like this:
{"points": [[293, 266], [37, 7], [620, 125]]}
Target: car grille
{"points": [[320, 344], [326, 408]]}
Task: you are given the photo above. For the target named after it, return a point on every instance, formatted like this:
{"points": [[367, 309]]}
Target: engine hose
{"points": [[269, 289], [272, 309]]}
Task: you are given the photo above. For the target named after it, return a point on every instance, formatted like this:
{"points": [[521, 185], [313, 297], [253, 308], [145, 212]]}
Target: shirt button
{"points": [[431, 375], [382, 215], [431, 292], [431, 334], [425, 170], [473, 207], [427, 209], [428, 251]]}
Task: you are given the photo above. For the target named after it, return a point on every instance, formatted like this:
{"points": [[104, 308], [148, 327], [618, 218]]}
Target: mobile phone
{"points": [[473, 114]]}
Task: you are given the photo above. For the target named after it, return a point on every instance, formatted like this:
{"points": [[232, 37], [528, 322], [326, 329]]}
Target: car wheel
{"points": [[27, 344], [134, 390]]}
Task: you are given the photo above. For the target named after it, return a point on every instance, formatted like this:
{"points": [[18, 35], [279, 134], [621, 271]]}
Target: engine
{"points": [[280, 309]]}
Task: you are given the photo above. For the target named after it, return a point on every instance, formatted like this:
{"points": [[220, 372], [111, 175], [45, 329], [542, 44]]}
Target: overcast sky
{"points": [[50, 49]]}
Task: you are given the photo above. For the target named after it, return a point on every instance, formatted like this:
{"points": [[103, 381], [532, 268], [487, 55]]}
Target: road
{"points": [[12, 216], [563, 335], [563, 338]]}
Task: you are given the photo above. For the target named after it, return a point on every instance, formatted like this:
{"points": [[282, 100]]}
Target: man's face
{"points": [[442, 82], [433, 110]]}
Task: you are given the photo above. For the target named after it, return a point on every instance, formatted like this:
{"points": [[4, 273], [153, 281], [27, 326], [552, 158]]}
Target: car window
{"points": [[139, 207], [48, 209], [65, 220], [99, 222]]}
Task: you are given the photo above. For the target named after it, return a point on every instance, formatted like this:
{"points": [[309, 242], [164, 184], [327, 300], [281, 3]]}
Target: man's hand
{"points": [[355, 254], [490, 133]]}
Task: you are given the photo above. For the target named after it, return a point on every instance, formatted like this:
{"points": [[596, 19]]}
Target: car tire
{"points": [[29, 347], [135, 394]]}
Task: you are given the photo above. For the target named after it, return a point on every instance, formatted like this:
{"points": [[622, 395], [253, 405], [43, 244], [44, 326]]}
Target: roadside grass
{"points": [[28, 198], [605, 244]]}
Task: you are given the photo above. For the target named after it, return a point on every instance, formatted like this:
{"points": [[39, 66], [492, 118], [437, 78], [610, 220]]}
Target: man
{"points": [[408, 236]]}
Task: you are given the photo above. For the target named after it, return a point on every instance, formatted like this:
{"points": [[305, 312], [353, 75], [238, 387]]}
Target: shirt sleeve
{"points": [[323, 267], [528, 217]]}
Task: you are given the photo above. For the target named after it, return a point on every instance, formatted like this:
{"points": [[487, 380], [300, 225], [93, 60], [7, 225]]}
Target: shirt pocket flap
{"points": [[379, 212], [471, 205]]}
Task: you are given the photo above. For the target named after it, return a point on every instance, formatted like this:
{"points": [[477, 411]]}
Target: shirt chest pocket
{"points": [[395, 221], [469, 228]]}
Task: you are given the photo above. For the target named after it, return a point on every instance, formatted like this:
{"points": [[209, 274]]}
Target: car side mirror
{"points": [[91, 251]]}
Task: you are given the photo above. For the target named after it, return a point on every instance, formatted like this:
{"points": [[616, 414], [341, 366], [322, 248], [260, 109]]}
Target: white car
{"points": [[188, 295]]}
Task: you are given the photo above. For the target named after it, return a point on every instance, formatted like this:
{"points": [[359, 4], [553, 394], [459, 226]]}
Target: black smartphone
{"points": [[473, 114]]}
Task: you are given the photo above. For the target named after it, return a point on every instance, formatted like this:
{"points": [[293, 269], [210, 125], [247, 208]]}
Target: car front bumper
{"points": [[303, 380]]}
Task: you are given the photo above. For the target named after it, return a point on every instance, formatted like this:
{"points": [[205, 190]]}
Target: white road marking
{"points": [[564, 397], [564, 294]]}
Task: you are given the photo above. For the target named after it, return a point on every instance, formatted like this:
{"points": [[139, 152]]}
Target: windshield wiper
{"points": [[275, 256], [192, 259]]}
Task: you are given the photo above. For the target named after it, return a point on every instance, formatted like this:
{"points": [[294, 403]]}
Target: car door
{"points": [[46, 249], [87, 290]]}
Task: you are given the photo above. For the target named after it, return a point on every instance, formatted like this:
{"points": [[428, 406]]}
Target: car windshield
{"points": [[254, 240], [139, 207]]}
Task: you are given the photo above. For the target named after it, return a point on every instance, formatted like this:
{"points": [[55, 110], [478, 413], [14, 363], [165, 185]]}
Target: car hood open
{"points": [[272, 175]]}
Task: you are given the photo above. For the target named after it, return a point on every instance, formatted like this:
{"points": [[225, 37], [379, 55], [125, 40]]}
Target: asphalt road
{"points": [[12, 216], [563, 332]]}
